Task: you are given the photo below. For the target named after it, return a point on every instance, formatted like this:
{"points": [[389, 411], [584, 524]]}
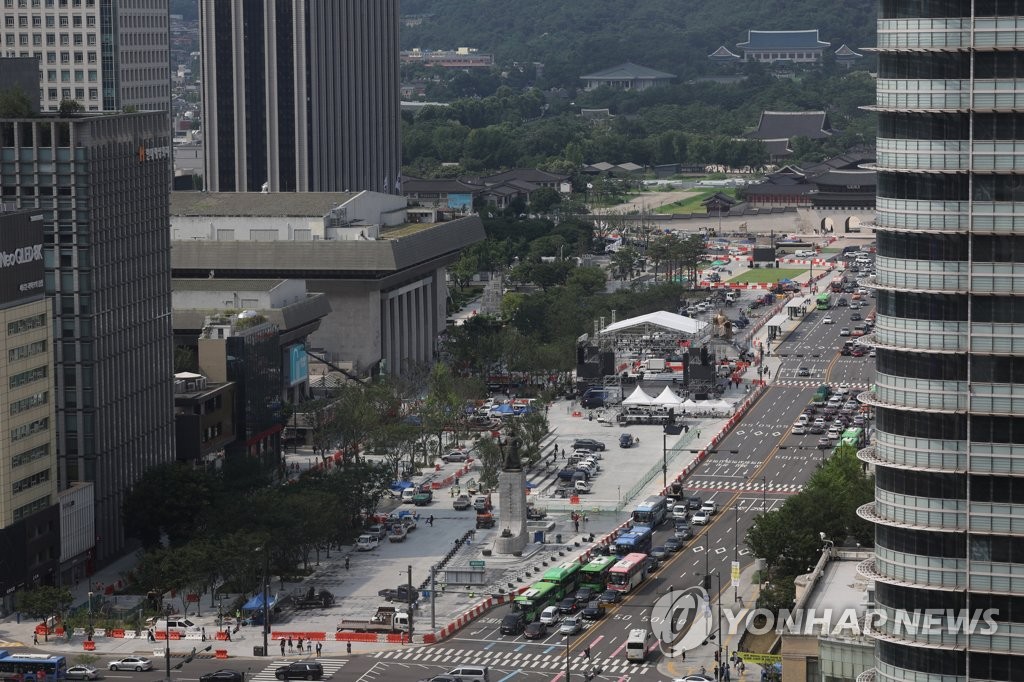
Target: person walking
{"points": [[282, 646], [346, 563], [291, 647], [309, 646], [298, 644], [319, 648], [576, 523], [35, 639]]}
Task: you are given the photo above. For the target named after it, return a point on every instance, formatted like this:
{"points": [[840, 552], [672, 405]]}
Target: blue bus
{"points": [[637, 541], [32, 667], [651, 512]]}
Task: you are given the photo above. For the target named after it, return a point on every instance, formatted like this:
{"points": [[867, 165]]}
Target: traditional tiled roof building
{"points": [[783, 46], [627, 76], [776, 128]]}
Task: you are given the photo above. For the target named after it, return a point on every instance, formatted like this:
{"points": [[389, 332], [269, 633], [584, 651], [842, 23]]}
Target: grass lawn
{"points": [[767, 275], [692, 204]]}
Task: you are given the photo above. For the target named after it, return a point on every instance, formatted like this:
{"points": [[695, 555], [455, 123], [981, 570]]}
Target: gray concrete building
{"points": [[104, 54], [102, 182], [301, 95], [385, 279]]}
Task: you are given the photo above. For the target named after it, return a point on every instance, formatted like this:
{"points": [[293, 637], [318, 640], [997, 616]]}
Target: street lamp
{"points": [[266, 597], [735, 549], [764, 494], [90, 616], [567, 671], [717, 634], [167, 641], [664, 460]]}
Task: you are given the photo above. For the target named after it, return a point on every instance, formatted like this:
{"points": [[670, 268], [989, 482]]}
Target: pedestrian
{"points": [[430, 521], [152, 636], [703, 670], [348, 647], [563, 453], [227, 634], [346, 563], [309, 646], [698, 433], [35, 639], [319, 648], [298, 645], [204, 634], [291, 647], [716, 672], [576, 523], [742, 666], [282, 646]]}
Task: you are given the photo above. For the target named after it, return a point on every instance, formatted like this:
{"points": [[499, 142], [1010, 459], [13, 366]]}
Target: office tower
{"points": [[948, 449], [105, 54], [300, 95], [102, 182], [29, 526]]}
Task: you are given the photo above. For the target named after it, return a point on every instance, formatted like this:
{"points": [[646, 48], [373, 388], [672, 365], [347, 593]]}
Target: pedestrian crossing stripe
{"points": [[512, 659], [331, 666], [814, 383], [698, 484]]}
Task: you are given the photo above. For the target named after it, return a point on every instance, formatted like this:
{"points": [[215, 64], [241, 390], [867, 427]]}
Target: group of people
{"points": [[298, 646]]}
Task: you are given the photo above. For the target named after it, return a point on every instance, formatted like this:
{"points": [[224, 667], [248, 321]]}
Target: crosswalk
{"points": [[543, 660], [705, 485], [331, 666], [814, 383]]}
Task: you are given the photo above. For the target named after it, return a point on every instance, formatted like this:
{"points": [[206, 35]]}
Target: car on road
{"points": [[844, 389], [857, 352], [803, 372], [799, 429], [535, 630], [828, 320], [594, 610], [300, 670], [225, 675], [610, 597], [701, 518], [570, 626], [627, 440], [587, 444], [845, 331], [816, 429], [871, 353], [82, 672], [682, 530], [136, 663], [833, 434], [658, 555], [842, 303], [568, 606], [584, 595], [855, 317], [550, 615], [710, 506], [694, 502], [673, 544], [694, 678], [513, 623], [455, 456], [441, 678], [824, 442], [462, 503], [680, 511]]}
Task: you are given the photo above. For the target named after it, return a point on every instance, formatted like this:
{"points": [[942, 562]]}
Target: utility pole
{"points": [[266, 599], [410, 595], [664, 460], [167, 643], [433, 594], [736, 549]]}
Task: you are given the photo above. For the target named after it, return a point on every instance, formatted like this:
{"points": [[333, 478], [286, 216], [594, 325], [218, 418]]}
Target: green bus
{"points": [[595, 574], [823, 301], [853, 436], [566, 576], [534, 600]]}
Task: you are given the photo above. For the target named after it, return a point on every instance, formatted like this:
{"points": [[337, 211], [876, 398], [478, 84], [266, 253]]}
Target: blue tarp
{"points": [[504, 408], [256, 603], [399, 486]]}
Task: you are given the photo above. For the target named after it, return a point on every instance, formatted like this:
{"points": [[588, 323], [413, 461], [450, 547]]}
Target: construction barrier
{"points": [[89, 645], [220, 653]]}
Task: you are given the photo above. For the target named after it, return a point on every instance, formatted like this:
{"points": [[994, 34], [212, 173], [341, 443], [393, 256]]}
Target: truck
{"points": [[484, 520], [313, 599], [386, 619], [423, 498], [398, 533], [568, 474], [403, 593], [821, 395], [462, 503]]}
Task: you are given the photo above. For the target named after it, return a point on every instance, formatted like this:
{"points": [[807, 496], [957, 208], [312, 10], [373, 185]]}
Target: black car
{"points": [[535, 630], [694, 502], [593, 611], [673, 545], [513, 623], [587, 444], [683, 531], [610, 597], [222, 676], [300, 670], [584, 595], [658, 555], [804, 372], [855, 317], [567, 605]]}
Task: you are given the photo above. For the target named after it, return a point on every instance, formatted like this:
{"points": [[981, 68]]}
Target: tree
{"points": [[442, 409], [169, 502], [70, 106], [14, 103], [44, 601], [544, 199]]}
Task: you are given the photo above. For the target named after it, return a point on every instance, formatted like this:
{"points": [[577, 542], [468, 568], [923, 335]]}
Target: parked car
{"points": [[456, 456], [627, 440], [82, 672], [136, 663], [587, 444], [300, 670]]}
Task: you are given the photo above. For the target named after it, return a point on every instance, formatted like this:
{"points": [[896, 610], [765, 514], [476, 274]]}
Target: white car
{"points": [[82, 672], [136, 663], [550, 615], [828, 320], [710, 507], [570, 626], [799, 429], [680, 511], [700, 518], [843, 389]]}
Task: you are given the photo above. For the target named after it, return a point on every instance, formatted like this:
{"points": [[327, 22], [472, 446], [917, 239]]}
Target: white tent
{"points": [[721, 406], [638, 397], [668, 398], [689, 404]]}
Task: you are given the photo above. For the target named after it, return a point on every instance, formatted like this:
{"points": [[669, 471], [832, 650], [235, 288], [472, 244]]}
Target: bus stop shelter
{"points": [[796, 308]]}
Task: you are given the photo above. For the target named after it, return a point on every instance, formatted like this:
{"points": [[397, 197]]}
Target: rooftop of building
{"points": [[777, 125], [840, 586], [208, 284], [777, 40], [254, 204], [628, 71]]}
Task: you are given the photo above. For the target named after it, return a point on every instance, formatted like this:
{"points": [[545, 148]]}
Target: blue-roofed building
{"points": [[801, 47]]}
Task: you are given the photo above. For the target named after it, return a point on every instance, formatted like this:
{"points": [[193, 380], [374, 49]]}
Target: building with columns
{"points": [[384, 278]]}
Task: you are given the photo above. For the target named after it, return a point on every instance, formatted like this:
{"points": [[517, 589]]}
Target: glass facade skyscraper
{"points": [[948, 450]]}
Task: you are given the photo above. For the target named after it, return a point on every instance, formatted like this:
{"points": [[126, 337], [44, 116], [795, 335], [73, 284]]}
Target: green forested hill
{"points": [[572, 37]]}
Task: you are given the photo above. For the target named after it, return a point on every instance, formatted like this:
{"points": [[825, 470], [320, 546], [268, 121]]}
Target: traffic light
{"points": [[707, 581]]}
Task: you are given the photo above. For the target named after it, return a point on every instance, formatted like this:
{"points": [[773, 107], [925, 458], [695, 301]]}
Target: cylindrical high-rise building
{"points": [[948, 450], [301, 95]]}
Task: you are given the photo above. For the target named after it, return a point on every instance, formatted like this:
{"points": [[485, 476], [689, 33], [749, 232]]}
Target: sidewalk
{"points": [[702, 659]]}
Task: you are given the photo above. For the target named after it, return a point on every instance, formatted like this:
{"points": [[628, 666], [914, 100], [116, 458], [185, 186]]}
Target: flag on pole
{"points": [[386, 184], [398, 183]]}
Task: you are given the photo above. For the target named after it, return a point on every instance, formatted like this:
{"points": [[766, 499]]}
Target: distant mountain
{"points": [[581, 36]]}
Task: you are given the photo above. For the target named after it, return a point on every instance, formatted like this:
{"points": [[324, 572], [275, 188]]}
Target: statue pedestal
{"points": [[512, 503]]}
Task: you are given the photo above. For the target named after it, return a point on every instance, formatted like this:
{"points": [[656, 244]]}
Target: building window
{"points": [[31, 508], [32, 481], [30, 429], [26, 323], [32, 401], [30, 456], [27, 351], [27, 377]]}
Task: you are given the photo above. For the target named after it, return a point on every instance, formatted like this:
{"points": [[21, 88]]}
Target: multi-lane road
{"points": [[759, 464]]}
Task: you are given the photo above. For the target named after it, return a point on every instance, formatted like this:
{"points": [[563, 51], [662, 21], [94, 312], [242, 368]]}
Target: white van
{"points": [[367, 542], [639, 641], [471, 673], [408, 493], [179, 624]]}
